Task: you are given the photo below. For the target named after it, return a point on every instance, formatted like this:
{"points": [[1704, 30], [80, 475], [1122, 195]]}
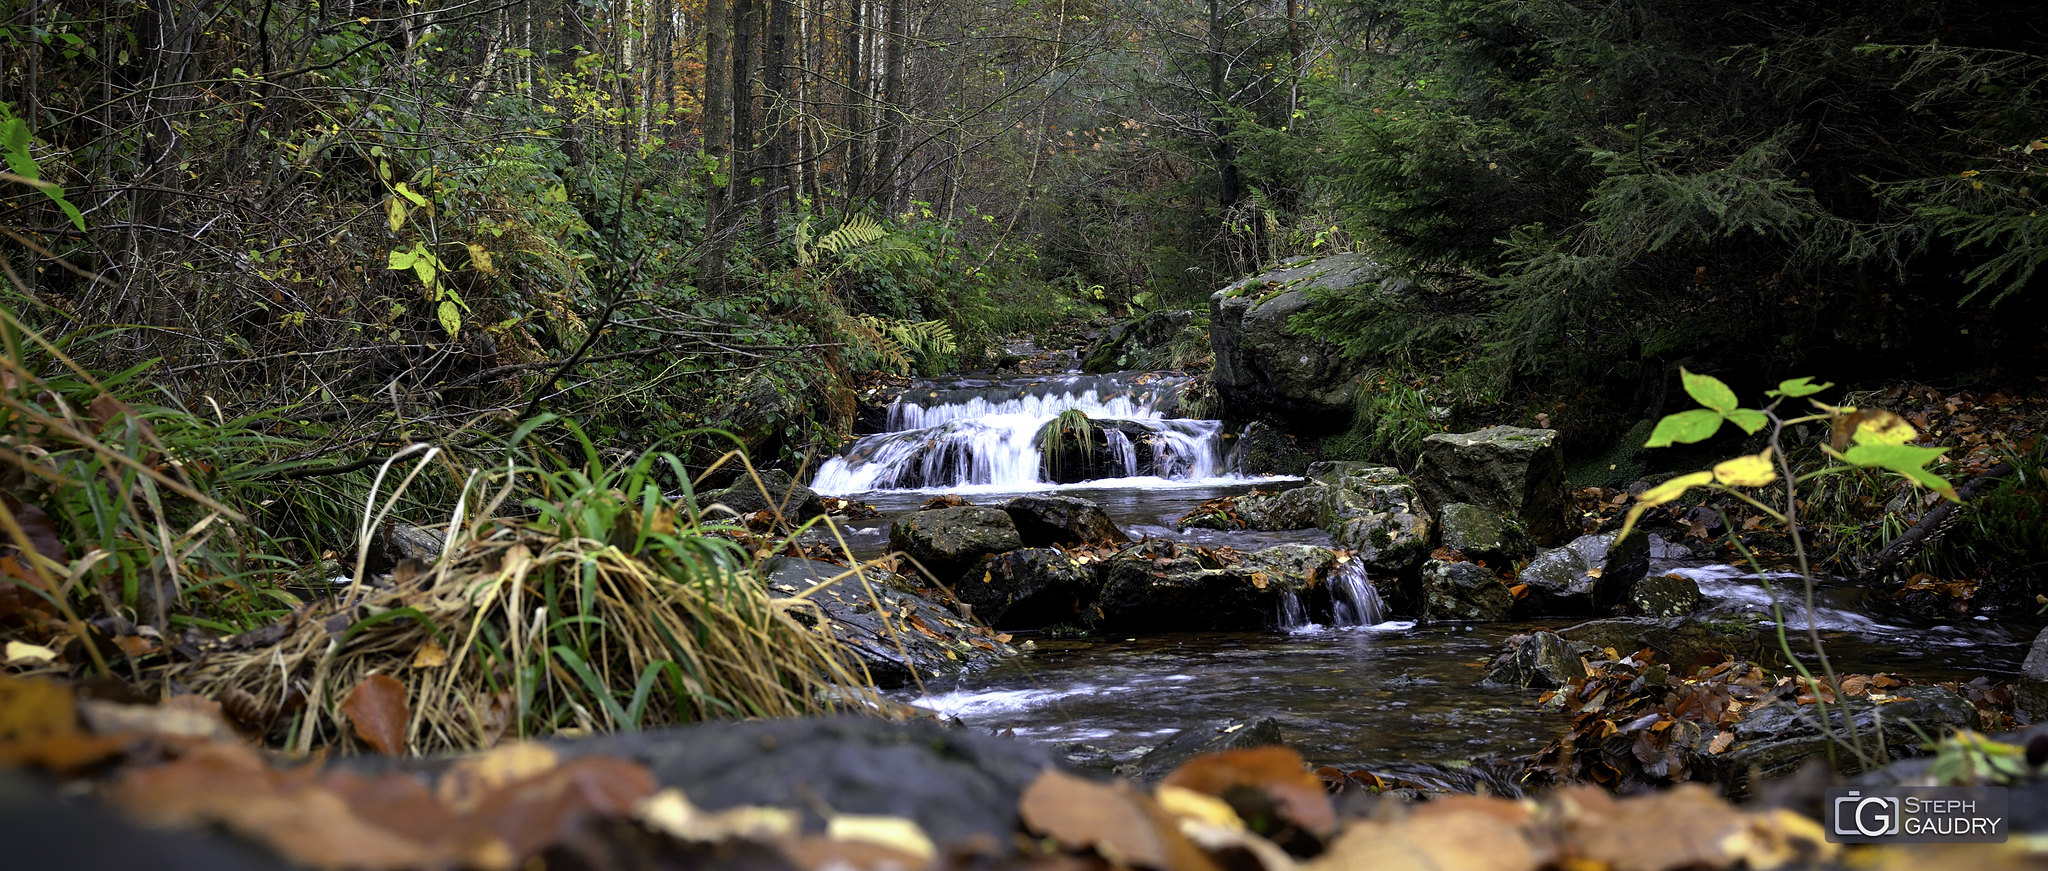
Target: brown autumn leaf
{"points": [[377, 709], [40, 528], [39, 727], [1457, 839], [469, 779], [1684, 827], [1278, 773], [1082, 814], [550, 808]]}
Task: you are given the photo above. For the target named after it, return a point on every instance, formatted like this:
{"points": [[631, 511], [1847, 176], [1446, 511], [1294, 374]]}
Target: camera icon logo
{"points": [[1869, 816]]}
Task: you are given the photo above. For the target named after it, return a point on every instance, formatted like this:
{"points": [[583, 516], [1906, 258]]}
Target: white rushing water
{"points": [[986, 437]]}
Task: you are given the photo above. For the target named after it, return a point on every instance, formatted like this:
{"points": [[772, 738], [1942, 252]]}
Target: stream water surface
{"points": [[1367, 690]]}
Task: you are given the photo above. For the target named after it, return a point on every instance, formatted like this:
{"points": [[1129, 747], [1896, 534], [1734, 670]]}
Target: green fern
{"points": [[853, 233], [900, 345]]}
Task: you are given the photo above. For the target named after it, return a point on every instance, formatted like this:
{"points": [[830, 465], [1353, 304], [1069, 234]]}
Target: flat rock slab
{"points": [[907, 633]]}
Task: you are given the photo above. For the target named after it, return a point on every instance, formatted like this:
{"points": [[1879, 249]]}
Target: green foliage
{"points": [[1390, 418], [1067, 441]]}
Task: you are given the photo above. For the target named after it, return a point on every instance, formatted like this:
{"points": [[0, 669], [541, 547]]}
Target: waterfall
{"points": [[1292, 614], [1357, 601], [985, 434]]}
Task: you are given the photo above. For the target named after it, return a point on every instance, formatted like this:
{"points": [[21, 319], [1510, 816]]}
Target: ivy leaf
{"points": [[480, 258], [394, 212], [1905, 460], [1708, 391], [1747, 471], [1662, 493], [451, 317], [417, 200], [1749, 419], [1797, 387], [1684, 427], [402, 258]]}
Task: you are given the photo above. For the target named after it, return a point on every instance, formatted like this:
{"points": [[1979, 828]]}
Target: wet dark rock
{"points": [[1264, 369], [2033, 683], [755, 410], [1515, 471], [1482, 534], [1464, 592], [1295, 508], [1264, 449], [1211, 737], [1028, 589], [946, 541], [1585, 577], [1667, 595], [1774, 740], [1682, 643], [396, 543], [1376, 511], [1159, 340], [1539, 660], [1044, 521], [776, 490], [1159, 586], [893, 652], [960, 785], [1668, 551]]}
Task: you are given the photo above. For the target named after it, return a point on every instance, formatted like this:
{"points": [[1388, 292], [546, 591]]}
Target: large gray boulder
{"points": [[946, 541], [1162, 587], [1585, 577], [1376, 511], [1464, 592], [1264, 449], [1029, 588], [1064, 521], [1159, 340], [1540, 660], [1266, 369], [1515, 471], [871, 614], [1681, 642], [2033, 694], [1295, 508]]}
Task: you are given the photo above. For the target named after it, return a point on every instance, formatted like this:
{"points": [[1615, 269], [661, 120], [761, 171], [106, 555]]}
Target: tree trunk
{"points": [[781, 121], [888, 138], [746, 28], [717, 141]]}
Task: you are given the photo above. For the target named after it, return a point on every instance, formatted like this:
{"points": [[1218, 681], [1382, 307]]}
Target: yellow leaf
{"points": [[394, 211], [1184, 802], [672, 812], [896, 833], [24, 653], [430, 655], [1660, 494], [1875, 426], [1747, 471], [481, 259]]}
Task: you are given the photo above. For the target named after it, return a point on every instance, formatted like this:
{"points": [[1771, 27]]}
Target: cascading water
{"points": [[988, 435], [1353, 600]]}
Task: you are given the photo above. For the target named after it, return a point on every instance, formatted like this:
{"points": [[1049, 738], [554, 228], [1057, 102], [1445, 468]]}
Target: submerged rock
{"points": [[1585, 577], [1029, 588], [1773, 740], [1482, 534], [946, 541], [1682, 643], [1464, 592], [1044, 521], [1515, 471], [879, 620], [1264, 368], [1667, 595], [1211, 737]]}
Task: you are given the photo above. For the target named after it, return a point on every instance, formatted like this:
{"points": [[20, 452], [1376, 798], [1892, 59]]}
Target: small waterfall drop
{"points": [[1292, 614], [987, 434], [1357, 601]]}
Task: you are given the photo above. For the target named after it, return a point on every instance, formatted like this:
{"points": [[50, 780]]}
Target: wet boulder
{"points": [[874, 615], [946, 541], [1680, 642], [1163, 587], [776, 490], [1264, 449], [1666, 595], [1515, 471], [1376, 511], [1030, 588], [1264, 368], [1158, 340], [1295, 508], [1482, 534], [1463, 591], [1215, 736], [2033, 684], [1066, 521], [1539, 660], [1585, 577], [1774, 740]]}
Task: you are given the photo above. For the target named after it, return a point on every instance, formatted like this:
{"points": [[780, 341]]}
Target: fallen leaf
{"points": [[1082, 814], [430, 655], [187, 717], [1278, 773], [1189, 804], [1684, 827], [470, 778], [895, 833], [24, 653], [671, 812], [553, 807], [377, 708]]}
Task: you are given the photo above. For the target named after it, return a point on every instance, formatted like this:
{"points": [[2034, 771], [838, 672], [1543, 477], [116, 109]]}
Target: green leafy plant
{"points": [[1862, 439], [1068, 438]]}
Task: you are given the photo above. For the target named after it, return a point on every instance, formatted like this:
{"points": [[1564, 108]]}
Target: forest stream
{"points": [[1348, 684]]}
